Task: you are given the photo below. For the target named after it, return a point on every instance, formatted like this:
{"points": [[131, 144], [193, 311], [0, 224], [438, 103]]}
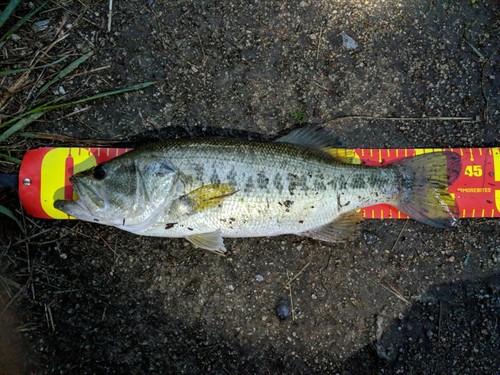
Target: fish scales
{"points": [[313, 188], [208, 188]]}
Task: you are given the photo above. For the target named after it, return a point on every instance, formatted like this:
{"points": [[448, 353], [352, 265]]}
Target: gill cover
{"points": [[130, 191]]}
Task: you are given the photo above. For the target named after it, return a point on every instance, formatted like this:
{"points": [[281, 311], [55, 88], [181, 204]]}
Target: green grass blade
{"points": [[28, 135], [22, 70], [63, 73], [24, 115], [10, 158], [20, 125], [33, 114], [21, 22], [5, 211], [4, 16], [139, 86]]}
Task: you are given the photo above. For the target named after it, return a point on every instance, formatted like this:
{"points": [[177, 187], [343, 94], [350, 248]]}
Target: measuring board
{"points": [[44, 177]]}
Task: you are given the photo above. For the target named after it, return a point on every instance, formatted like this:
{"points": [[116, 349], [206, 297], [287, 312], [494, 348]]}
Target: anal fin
{"points": [[212, 241], [339, 230]]}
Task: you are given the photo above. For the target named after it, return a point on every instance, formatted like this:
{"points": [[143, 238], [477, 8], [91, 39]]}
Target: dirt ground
{"points": [[399, 298]]}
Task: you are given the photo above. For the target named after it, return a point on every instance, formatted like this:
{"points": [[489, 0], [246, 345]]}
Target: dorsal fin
{"points": [[313, 137], [342, 155]]}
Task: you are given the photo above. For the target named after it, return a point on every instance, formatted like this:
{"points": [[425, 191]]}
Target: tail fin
{"points": [[424, 188]]}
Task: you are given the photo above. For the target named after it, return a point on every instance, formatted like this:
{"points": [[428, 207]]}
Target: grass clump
{"points": [[299, 115]]}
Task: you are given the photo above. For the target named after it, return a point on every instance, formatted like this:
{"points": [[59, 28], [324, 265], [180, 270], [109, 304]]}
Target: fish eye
{"points": [[99, 173]]}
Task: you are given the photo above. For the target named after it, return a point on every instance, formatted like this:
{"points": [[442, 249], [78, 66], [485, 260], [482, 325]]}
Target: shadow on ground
{"points": [[422, 338], [137, 337]]}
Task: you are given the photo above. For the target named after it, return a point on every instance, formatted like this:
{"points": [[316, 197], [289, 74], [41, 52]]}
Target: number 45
{"points": [[473, 171]]}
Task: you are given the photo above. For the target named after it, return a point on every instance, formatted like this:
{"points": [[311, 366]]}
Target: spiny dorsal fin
{"points": [[313, 137], [208, 196], [212, 241], [339, 230]]}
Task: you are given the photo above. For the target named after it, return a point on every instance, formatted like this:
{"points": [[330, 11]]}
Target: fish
{"points": [[208, 189]]}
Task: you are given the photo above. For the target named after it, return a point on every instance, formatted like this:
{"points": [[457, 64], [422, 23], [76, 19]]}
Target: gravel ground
{"points": [[400, 298]]}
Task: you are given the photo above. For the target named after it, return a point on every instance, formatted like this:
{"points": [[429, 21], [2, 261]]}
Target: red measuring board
{"points": [[476, 190], [44, 177]]}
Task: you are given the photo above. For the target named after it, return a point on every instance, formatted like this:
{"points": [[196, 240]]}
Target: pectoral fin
{"points": [[209, 241], [339, 230], [208, 196]]}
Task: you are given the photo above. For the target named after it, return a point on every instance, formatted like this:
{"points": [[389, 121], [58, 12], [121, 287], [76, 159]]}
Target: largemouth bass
{"points": [[209, 188]]}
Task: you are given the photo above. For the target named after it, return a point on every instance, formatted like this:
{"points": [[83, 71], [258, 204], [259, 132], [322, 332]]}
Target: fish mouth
{"points": [[70, 207], [86, 206]]}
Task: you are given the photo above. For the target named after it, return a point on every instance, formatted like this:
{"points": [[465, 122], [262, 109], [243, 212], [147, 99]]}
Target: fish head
{"points": [[132, 190]]}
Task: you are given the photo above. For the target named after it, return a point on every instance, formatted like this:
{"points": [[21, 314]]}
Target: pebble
{"points": [[40, 25], [348, 42], [370, 238], [259, 278], [283, 309]]}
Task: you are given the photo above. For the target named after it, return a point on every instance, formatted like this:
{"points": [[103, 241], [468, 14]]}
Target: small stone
{"points": [[61, 90], [370, 238], [348, 42], [259, 278], [40, 25], [283, 309], [63, 256], [15, 37]]}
